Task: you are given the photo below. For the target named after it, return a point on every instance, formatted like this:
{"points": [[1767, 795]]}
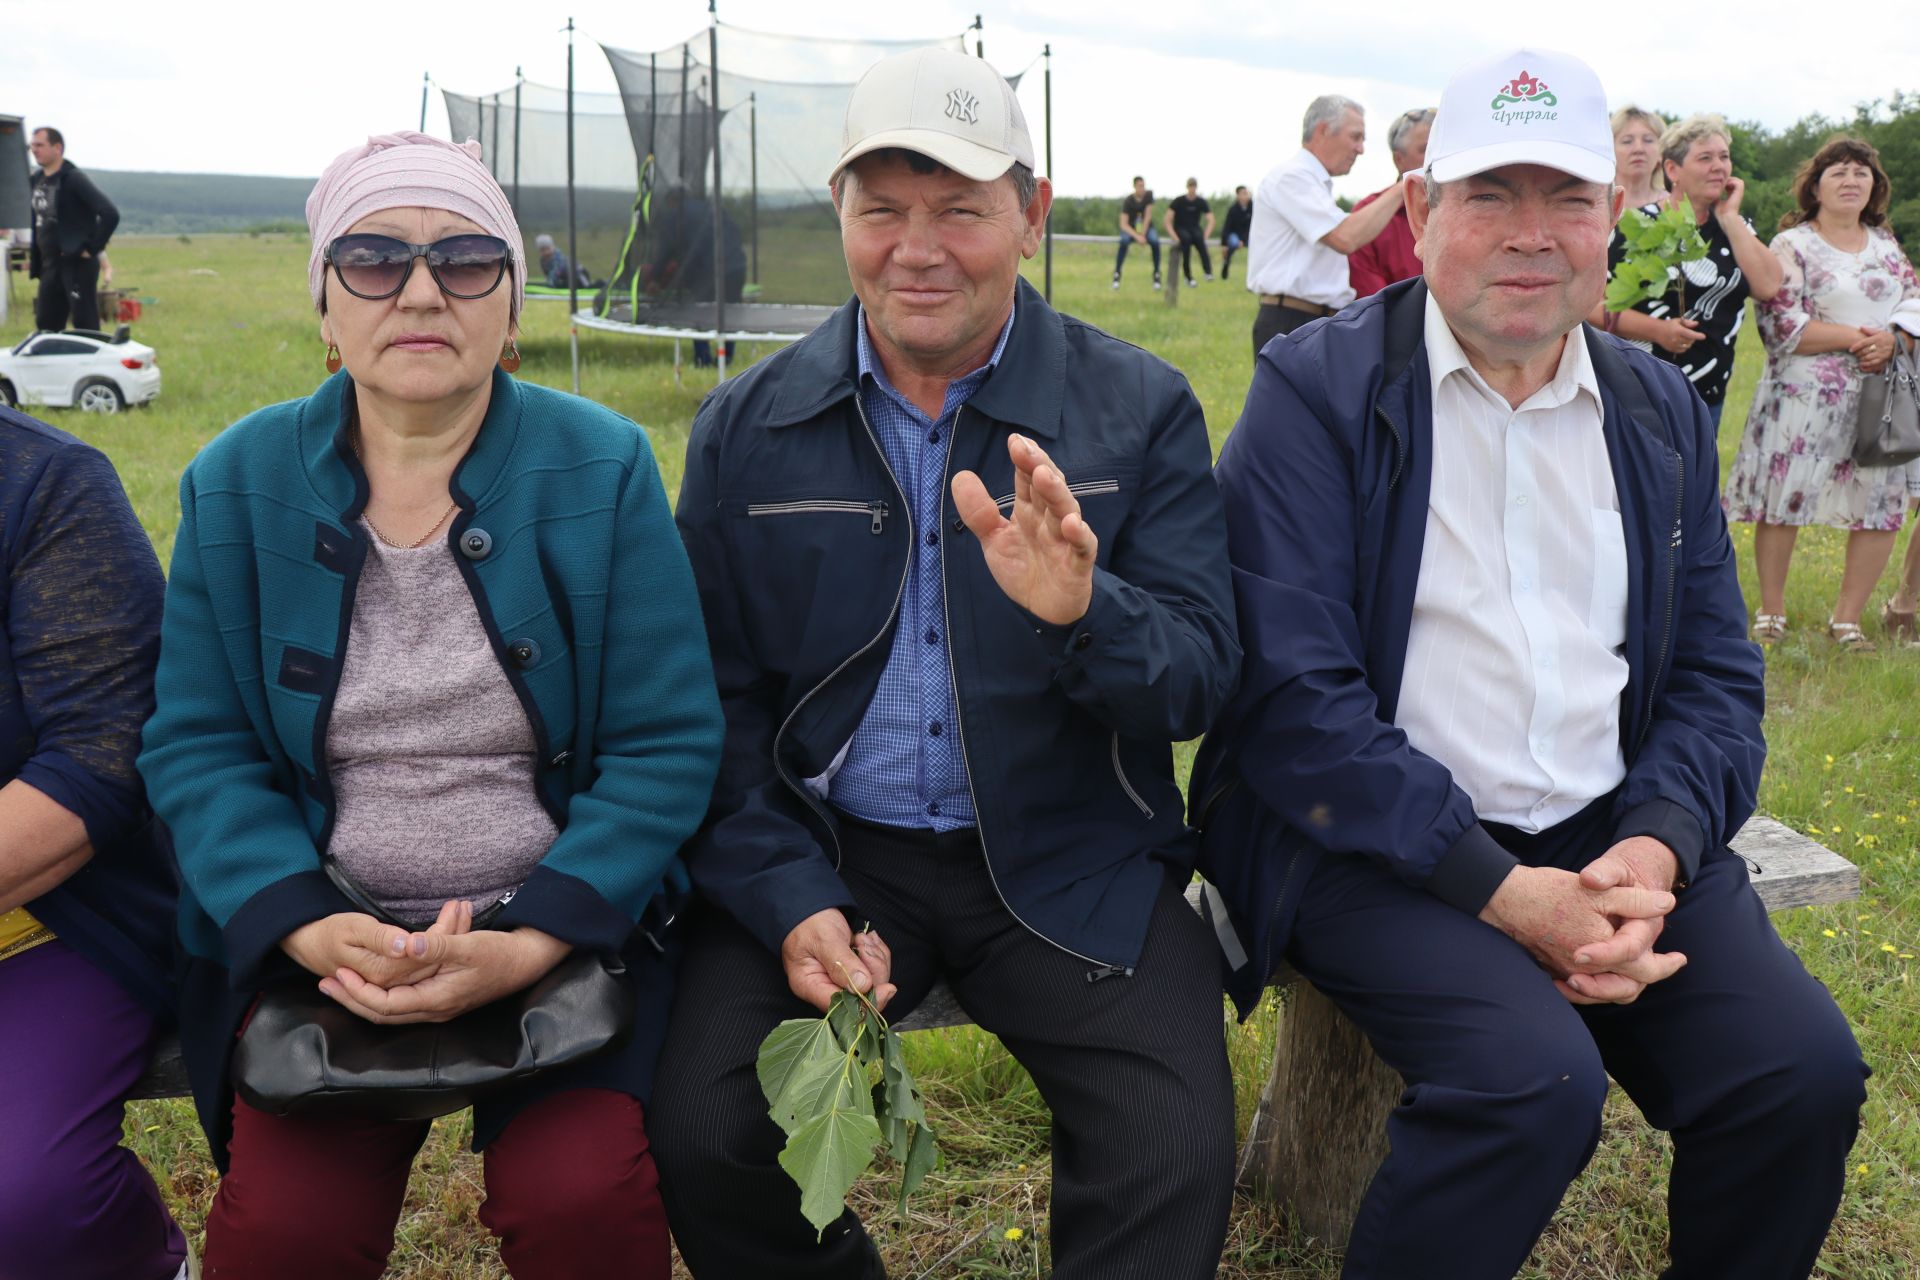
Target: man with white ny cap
{"points": [[1497, 721], [964, 573]]}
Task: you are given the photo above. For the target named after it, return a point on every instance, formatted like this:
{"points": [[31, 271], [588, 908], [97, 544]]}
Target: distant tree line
{"points": [[1765, 158]]}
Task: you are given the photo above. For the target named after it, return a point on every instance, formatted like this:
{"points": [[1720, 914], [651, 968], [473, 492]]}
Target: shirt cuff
{"points": [[568, 908], [1672, 825], [1073, 641], [1471, 870], [252, 934]]}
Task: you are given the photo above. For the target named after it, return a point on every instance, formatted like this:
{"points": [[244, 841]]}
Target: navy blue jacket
{"points": [[800, 540], [82, 600], [1326, 481]]}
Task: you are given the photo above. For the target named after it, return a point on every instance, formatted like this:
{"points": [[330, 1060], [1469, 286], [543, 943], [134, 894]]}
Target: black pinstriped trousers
{"points": [[1134, 1069]]}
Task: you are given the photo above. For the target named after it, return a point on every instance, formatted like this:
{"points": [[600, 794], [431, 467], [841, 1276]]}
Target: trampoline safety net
{"points": [[644, 175]]}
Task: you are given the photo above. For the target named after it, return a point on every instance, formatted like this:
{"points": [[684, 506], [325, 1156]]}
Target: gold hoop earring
{"points": [[510, 357], [333, 358]]}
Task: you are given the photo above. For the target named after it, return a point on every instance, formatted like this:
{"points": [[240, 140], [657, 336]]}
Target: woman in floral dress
{"points": [[1847, 289]]}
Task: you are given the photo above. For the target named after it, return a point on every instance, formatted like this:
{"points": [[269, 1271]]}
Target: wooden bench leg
{"points": [[1320, 1130]]}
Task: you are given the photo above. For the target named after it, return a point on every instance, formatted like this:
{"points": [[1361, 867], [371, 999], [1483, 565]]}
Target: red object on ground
{"points": [[129, 310]]}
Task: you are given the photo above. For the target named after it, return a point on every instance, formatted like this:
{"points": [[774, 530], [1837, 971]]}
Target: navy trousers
{"points": [[1742, 1057]]}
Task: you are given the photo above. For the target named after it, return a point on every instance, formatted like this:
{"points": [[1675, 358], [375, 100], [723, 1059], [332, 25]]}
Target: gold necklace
{"points": [[398, 546]]}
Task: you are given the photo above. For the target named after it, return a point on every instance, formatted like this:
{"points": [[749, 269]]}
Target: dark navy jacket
{"points": [[82, 600], [800, 540], [1326, 481]]}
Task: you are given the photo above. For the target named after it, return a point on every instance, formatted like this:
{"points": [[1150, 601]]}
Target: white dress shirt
{"points": [[1292, 209], [1514, 667]]}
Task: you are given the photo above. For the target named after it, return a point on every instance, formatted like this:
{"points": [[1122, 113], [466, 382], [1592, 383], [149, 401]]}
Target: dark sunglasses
{"points": [[375, 266]]}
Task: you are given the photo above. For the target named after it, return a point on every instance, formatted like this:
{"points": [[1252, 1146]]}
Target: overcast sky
{"points": [[1213, 88]]}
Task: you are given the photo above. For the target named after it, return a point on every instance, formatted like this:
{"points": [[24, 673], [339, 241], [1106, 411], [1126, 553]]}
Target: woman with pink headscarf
{"points": [[431, 648]]}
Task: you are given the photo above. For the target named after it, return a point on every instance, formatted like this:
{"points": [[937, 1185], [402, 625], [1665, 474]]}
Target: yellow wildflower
{"points": [[1016, 1234], [1815, 830], [1848, 790], [1862, 1171], [1887, 947], [1829, 933]]}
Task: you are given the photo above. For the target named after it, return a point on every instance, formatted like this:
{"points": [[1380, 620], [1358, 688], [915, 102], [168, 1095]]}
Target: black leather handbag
{"points": [[1887, 432], [302, 1052]]}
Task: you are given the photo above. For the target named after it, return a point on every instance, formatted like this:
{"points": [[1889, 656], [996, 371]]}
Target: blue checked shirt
{"points": [[904, 767]]}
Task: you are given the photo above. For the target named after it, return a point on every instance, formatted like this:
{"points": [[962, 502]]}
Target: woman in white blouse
{"points": [[1848, 289]]}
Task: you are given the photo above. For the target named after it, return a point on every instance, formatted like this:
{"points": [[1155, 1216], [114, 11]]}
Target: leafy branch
{"points": [[1656, 247], [839, 1087]]}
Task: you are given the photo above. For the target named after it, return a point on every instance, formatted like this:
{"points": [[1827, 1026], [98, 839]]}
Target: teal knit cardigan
{"points": [[565, 539]]}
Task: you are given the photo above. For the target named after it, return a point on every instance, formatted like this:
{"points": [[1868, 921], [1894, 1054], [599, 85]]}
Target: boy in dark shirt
{"points": [[1190, 221], [1237, 231], [1136, 227]]}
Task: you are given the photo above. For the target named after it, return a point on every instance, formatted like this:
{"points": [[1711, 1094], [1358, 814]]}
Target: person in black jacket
{"points": [[1237, 231], [72, 222]]}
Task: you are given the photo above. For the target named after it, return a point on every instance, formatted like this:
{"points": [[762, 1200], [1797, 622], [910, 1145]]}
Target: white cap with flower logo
{"points": [[1527, 106]]}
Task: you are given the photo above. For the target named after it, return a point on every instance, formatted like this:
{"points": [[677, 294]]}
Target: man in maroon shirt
{"points": [[1389, 256]]}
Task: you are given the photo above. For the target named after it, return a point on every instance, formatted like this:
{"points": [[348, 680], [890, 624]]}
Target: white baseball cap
{"points": [[943, 104], [1529, 106]]}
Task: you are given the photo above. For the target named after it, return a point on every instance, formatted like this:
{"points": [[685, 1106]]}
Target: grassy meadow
{"points": [[230, 320]]}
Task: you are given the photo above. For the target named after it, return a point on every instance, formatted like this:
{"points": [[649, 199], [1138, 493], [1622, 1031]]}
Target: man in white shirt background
{"points": [[1297, 263], [1497, 721]]}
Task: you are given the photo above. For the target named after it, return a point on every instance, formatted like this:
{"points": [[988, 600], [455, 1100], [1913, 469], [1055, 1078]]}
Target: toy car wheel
{"points": [[8, 399], [97, 395]]}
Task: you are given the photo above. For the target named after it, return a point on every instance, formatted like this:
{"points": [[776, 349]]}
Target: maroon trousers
{"points": [[571, 1192]]}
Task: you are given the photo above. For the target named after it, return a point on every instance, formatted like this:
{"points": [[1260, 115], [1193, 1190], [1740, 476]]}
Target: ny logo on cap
{"points": [[963, 106]]}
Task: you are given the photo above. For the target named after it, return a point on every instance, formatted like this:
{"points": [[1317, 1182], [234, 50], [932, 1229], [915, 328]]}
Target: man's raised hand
{"points": [[1042, 555], [822, 956]]}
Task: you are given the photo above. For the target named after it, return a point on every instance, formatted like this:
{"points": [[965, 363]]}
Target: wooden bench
{"points": [[1320, 1129]]}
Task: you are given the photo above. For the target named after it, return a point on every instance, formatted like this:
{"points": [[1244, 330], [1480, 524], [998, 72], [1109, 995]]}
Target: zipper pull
{"points": [[879, 510], [1109, 971]]}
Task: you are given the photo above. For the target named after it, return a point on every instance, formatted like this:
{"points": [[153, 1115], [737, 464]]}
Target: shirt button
{"points": [[475, 544], [1083, 641], [933, 810], [1520, 501], [933, 637], [934, 728], [933, 537], [524, 653], [933, 437]]}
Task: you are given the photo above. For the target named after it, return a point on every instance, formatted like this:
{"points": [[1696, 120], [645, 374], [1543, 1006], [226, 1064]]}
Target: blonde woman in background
{"points": [[1636, 155]]}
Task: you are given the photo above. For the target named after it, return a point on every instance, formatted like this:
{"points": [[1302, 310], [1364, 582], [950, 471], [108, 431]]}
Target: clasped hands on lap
{"points": [[1594, 931], [387, 975], [1042, 556]]}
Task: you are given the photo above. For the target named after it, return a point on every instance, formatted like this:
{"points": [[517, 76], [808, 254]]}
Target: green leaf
{"points": [[920, 1161], [796, 1059], [825, 1156]]}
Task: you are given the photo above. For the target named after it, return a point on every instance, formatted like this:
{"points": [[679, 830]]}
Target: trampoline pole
{"points": [[686, 74], [979, 41], [753, 164], [573, 230], [1046, 81], [519, 79], [719, 217], [426, 78], [493, 152]]}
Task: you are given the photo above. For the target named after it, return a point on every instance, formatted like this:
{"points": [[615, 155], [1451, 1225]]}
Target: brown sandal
{"points": [[1903, 628], [1849, 638]]}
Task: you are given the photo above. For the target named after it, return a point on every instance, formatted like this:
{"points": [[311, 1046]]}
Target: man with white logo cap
{"points": [[1497, 721], [964, 572]]}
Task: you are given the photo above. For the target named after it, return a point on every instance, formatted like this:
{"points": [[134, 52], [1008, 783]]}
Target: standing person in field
{"points": [[1136, 227], [1297, 264], [1849, 294], [966, 583], [1189, 219], [429, 628], [1497, 722], [1695, 324], [1636, 157], [1389, 256], [72, 222], [1235, 228]]}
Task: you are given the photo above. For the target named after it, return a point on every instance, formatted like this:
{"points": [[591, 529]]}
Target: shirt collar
{"points": [[1445, 358], [870, 366], [1313, 166]]}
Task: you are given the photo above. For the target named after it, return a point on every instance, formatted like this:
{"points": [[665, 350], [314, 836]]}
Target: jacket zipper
{"points": [[1399, 447], [1100, 970], [1666, 628], [806, 796], [1119, 771], [877, 510], [1084, 489]]}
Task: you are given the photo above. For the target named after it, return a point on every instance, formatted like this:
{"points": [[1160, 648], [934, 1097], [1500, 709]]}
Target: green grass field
{"points": [[232, 325]]}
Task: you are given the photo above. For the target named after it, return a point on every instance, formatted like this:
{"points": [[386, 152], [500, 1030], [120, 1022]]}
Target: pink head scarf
{"points": [[404, 170]]}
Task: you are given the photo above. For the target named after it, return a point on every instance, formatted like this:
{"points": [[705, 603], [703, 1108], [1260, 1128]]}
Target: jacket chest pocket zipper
{"points": [[1084, 489], [1120, 772], [875, 511]]}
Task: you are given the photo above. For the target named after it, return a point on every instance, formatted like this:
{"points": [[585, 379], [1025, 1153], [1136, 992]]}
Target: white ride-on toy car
{"points": [[79, 368]]}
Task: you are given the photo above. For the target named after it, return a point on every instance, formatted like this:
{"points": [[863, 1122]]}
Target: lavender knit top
{"points": [[430, 751]]}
